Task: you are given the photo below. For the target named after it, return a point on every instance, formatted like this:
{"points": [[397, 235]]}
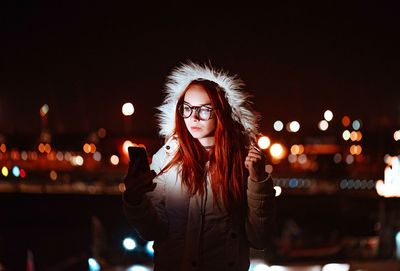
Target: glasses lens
{"points": [[185, 111], [204, 113]]}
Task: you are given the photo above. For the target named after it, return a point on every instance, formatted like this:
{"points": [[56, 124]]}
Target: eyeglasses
{"points": [[203, 112]]}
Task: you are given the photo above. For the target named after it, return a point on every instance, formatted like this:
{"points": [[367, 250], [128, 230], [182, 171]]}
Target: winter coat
{"points": [[191, 232]]}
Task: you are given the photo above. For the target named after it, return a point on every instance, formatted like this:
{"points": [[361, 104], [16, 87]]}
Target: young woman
{"points": [[207, 199]]}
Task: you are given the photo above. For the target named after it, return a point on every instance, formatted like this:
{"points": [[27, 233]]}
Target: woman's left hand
{"points": [[255, 163]]}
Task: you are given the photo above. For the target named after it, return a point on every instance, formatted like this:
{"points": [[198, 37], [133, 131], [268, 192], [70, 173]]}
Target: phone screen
{"points": [[139, 160]]}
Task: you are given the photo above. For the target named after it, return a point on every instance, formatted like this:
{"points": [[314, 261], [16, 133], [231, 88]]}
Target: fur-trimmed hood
{"points": [[183, 75]]}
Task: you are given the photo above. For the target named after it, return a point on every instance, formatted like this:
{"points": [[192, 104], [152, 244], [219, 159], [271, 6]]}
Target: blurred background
{"points": [[79, 83]]}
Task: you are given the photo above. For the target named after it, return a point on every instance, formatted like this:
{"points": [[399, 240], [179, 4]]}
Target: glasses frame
{"points": [[196, 109]]}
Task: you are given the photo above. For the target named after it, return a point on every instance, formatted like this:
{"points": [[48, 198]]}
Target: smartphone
{"points": [[139, 160]]}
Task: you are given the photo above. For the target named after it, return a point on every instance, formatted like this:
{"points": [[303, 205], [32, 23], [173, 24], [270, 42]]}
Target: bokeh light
{"points": [[278, 125], [328, 115], [128, 109], [264, 142]]}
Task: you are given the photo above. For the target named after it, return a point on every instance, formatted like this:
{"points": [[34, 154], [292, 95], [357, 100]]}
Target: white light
{"points": [[278, 125], [336, 267], [346, 135], [261, 267], [276, 151], [398, 245], [264, 142], [278, 190], [77, 160], [15, 171], [396, 135], [126, 145], [129, 243], [278, 268], [128, 109], [328, 115], [44, 109], [138, 268], [323, 125], [149, 247], [114, 160], [294, 126], [93, 265], [390, 186]]}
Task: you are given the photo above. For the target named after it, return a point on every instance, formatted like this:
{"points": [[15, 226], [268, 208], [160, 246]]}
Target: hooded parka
{"points": [[192, 232]]}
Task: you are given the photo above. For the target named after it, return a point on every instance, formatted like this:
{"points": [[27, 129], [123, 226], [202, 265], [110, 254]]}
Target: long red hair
{"points": [[226, 160]]}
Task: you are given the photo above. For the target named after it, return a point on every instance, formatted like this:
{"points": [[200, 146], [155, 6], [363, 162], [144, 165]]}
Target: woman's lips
{"points": [[195, 128]]}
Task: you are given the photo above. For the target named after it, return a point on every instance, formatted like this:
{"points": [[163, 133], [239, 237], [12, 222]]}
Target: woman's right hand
{"points": [[137, 184]]}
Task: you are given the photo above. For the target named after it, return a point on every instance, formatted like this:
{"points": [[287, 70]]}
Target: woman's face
{"points": [[203, 130]]}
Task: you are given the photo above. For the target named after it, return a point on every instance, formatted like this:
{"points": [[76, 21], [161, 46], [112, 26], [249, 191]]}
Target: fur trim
{"points": [[183, 75]]}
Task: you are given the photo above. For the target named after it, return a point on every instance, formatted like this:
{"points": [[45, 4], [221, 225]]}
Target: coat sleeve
{"points": [[261, 211], [149, 217]]}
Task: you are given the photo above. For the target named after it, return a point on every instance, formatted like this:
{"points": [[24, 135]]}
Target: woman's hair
{"points": [[226, 160]]}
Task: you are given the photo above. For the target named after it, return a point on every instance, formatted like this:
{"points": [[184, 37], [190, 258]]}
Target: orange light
{"points": [[3, 148], [92, 148], [277, 151], [86, 148], [346, 121], [47, 148], [41, 148]]}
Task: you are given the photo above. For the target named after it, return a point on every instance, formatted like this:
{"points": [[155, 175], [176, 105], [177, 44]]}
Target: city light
{"points": [[336, 267], [86, 148], [93, 265], [346, 121], [278, 190], [129, 243], [328, 115], [138, 268], [44, 110], [53, 175], [22, 173], [323, 125], [4, 171], [126, 145], [149, 247], [264, 142], [15, 171], [97, 156], [346, 135], [102, 133], [356, 124], [114, 160], [278, 125], [128, 109], [396, 135], [3, 148], [277, 151], [390, 186], [293, 126]]}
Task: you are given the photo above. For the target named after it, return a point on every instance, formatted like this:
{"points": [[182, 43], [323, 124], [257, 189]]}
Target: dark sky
{"points": [[85, 59]]}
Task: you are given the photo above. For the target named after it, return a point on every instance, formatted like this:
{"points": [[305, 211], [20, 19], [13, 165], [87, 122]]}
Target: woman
{"points": [[207, 198]]}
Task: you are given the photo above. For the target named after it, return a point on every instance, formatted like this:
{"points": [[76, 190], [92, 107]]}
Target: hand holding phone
{"points": [[139, 162], [139, 179]]}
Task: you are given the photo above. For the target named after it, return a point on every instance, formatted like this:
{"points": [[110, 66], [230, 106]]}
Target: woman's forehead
{"points": [[196, 95]]}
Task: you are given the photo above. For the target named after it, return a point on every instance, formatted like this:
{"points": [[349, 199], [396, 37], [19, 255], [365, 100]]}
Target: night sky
{"points": [[86, 59]]}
